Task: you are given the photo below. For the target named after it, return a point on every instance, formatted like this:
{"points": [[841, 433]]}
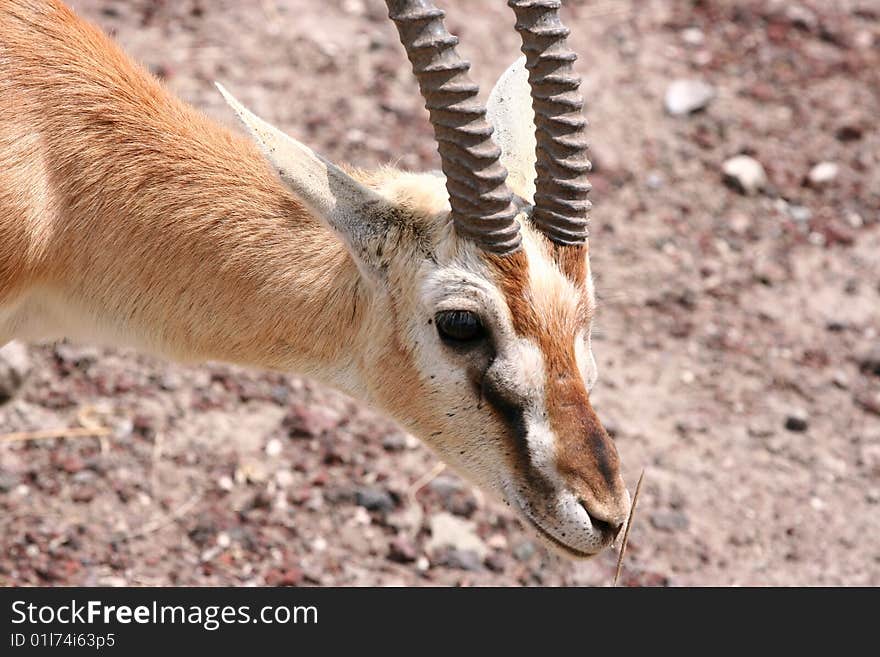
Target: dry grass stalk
{"points": [[424, 480], [166, 519], [64, 432], [632, 512]]}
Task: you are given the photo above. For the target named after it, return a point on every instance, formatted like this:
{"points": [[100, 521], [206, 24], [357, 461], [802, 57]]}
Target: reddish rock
{"points": [[292, 576], [309, 421], [401, 550]]}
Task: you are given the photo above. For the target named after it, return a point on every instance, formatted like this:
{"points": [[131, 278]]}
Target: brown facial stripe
{"points": [[511, 414], [586, 456]]}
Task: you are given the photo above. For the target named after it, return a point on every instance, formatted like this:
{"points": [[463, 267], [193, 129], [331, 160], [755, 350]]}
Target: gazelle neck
{"points": [[248, 278], [163, 231], [215, 262]]}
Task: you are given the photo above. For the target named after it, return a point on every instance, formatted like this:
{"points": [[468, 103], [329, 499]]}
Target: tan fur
{"points": [[157, 221], [127, 217]]}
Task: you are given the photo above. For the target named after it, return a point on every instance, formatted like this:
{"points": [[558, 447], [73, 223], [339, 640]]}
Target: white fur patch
{"points": [[586, 361], [551, 290]]}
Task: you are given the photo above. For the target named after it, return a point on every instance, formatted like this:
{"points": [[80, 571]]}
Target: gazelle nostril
{"points": [[602, 526]]}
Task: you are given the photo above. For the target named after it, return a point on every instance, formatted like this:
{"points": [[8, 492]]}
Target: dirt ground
{"points": [[737, 339]]}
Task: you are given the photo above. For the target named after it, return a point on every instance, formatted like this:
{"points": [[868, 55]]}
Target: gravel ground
{"points": [[738, 328]]}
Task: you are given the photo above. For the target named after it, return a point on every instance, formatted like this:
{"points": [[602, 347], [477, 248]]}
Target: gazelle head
{"points": [[476, 328]]}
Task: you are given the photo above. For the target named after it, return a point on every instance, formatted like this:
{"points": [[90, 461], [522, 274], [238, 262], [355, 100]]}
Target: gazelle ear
{"points": [[356, 213], [510, 112]]}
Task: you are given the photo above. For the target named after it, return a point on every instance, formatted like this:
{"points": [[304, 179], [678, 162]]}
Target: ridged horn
{"points": [[561, 185], [482, 207]]}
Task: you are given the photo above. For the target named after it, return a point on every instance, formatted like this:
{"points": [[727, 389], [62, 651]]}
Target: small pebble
{"points": [[524, 551], [744, 174], [669, 521], [869, 458], [394, 442], [654, 180], [284, 478], [374, 499], [800, 213], [869, 361], [15, 366], [497, 542], [797, 420], [823, 173], [8, 481], [687, 96], [497, 563], [460, 559], [693, 36], [402, 550]]}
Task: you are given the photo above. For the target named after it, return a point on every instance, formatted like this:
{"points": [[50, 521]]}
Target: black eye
{"points": [[459, 326]]}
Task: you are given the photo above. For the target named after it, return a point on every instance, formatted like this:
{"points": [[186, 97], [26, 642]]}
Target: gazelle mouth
{"points": [[557, 543]]}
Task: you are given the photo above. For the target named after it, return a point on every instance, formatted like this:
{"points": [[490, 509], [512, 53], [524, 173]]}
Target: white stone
{"points": [[745, 173], [448, 530], [823, 173], [693, 36], [274, 447], [686, 96], [15, 365], [800, 213], [497, 542], [801, 16]]}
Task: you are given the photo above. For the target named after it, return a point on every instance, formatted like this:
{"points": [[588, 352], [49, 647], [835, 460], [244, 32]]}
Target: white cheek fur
{"points": [[585, 360]]}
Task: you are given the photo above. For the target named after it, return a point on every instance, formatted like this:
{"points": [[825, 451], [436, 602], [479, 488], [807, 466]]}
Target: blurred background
{"points": [[736, 248]]}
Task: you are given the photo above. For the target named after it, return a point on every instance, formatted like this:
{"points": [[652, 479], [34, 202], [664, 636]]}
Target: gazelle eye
{"points": [[459, 326]]}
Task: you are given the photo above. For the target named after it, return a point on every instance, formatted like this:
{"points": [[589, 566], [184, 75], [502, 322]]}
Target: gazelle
{"points": [[460, 304]]}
